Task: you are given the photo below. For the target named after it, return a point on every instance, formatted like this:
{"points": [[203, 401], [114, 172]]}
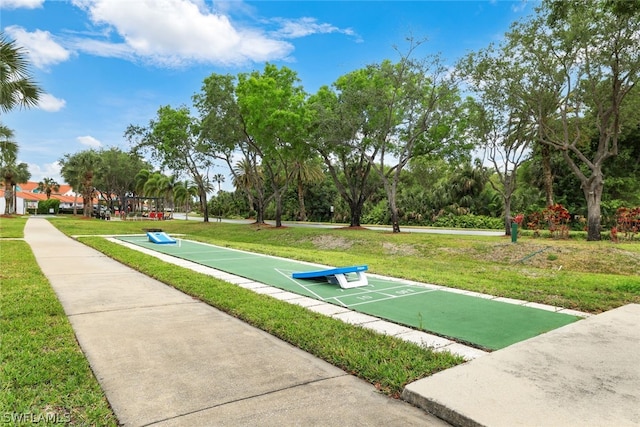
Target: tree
{"points": [[502, 125], [17, 86], [79, 171], [581, 58], [12, 172], [160, 185], [333, 127], [184, 193], [218, 179], [249, 180], [116, 176], [272, 108], [173, 140], [412, 109], [304, 173], [222, 132], [47, 186]]}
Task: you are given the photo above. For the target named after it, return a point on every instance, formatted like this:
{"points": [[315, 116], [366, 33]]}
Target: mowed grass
{"points": [[586, 276], [45, 378], [12, 227]]}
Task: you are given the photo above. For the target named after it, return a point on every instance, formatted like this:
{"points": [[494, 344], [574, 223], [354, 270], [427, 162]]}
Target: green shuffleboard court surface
{"points": [[477, 321]]}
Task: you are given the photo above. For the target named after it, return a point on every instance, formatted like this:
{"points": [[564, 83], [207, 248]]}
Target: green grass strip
{"points": [[387, 362], [12, 227], [45, 378]]}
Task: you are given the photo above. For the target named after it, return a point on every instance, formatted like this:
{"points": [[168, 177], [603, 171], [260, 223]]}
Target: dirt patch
{"points": [[331, 242], [396, 249], [555, 256]]}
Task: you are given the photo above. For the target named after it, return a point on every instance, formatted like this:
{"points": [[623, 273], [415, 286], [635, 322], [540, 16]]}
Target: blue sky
{"points": [[105, 64]]}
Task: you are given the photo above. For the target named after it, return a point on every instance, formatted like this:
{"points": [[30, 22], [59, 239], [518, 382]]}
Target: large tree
{"points": [[79, 171], [396, 111], [272, 108], [116, 176], [173, 140], [501, 124], [581, 58], [332, 132]]}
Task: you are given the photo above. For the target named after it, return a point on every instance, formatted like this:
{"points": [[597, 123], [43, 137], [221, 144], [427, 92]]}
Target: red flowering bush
{"points": [[558, 218], [627, 222]]}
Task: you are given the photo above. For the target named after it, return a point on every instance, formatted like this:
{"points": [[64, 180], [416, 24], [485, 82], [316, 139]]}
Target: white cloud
{"points": [[46, 170], [39, 45], [307, 26], [19, 4], [89, 141], [50, 103], [178, 32]]}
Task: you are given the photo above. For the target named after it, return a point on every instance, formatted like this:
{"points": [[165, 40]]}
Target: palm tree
{"points": [[305, 173], [10, 171], [161, 185], [184, 194], [247, 177], [17, 87], [219, 179], [47, 186], [78, 170]]}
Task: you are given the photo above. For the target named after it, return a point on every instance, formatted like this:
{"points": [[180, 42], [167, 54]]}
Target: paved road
{"points": [[181, 216]]}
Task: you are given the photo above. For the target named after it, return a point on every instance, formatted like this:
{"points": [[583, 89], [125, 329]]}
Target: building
{"points": [[28, 195]]}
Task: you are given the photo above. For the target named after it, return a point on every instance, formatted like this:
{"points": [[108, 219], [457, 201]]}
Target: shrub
{"points": [[468, 221], [45, 205], [627, 222], [558, 218]]}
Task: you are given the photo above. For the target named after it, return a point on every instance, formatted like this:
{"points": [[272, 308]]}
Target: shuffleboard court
{"points": [[482, 322]]}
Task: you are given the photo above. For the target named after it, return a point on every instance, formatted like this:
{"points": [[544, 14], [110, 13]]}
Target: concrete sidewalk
{"points": [[165, 359], [583, 374]]}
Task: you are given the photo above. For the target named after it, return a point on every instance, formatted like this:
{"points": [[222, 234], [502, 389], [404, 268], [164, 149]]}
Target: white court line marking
{"points": [[385, 299], [365, 292], [288, 276]]}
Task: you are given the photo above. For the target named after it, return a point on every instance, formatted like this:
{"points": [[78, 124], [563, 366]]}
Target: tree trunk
{"points": [[355, 214], [547, 173], [302, 215], [7, 200], [259, 210], [278, 200], [204, 205], [507, 216], [395, 220], [593, 194]]}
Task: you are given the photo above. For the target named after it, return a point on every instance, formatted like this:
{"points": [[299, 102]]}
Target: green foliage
{"points": [[468, 221], [44, 206], [377, 214]]}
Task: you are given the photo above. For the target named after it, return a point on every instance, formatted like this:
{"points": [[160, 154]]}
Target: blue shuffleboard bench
{"points": [[338, 276], [160, 237]]}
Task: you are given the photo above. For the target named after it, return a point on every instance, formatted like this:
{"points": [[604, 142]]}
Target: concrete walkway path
{"points": [[165, 359], [586, 374]]}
